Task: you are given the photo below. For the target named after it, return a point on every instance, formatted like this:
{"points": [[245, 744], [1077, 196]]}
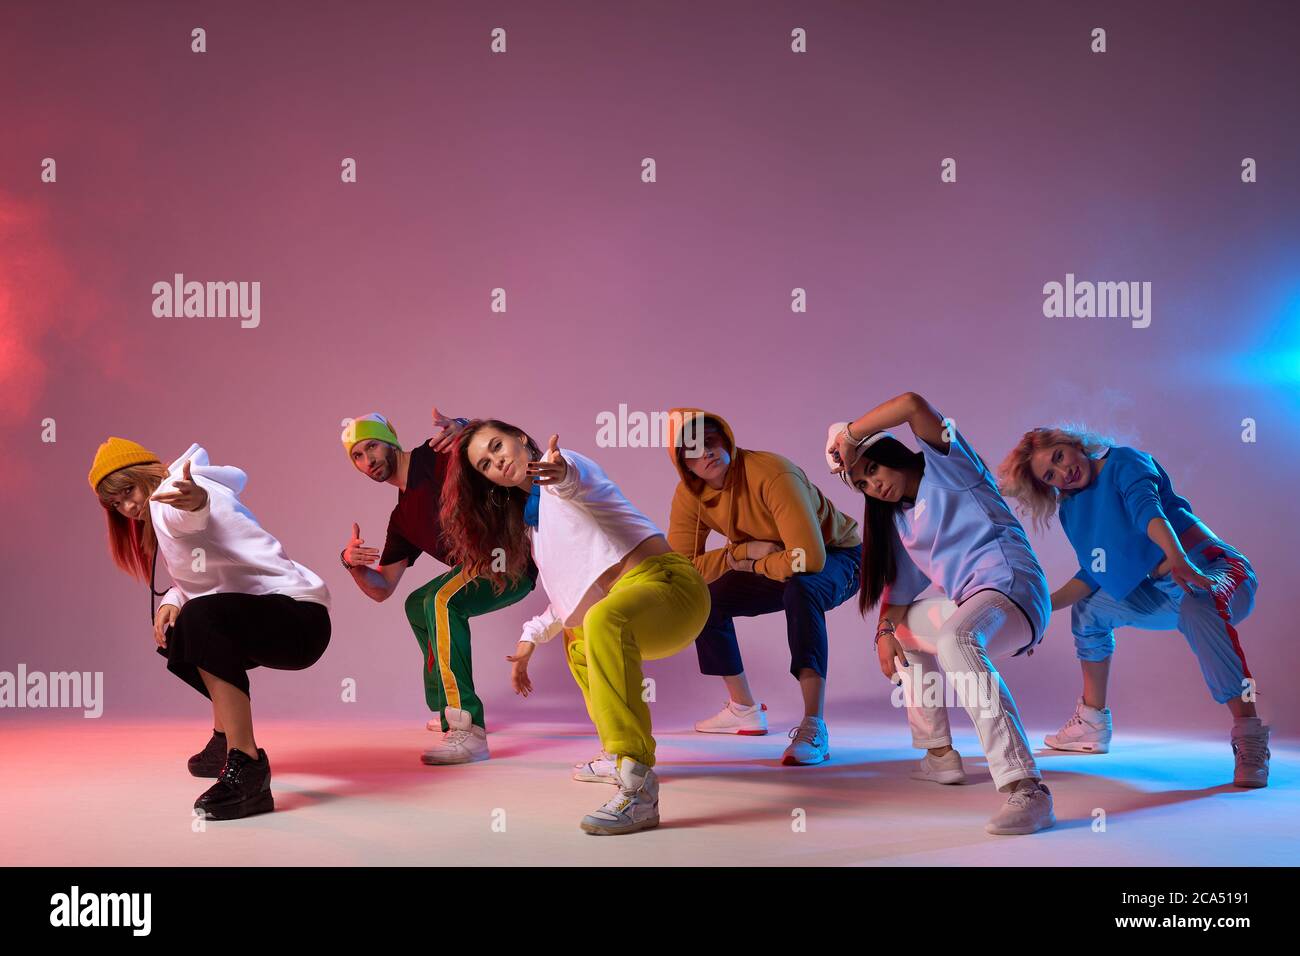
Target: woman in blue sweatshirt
{"points": [[1145, 560]]}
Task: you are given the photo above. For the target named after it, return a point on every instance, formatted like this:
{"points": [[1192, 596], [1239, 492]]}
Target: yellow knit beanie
{"points": [[118, 453]]}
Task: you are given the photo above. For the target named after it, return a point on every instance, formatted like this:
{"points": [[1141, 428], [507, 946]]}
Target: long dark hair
{"points": [[879, 566], [479, 516]]}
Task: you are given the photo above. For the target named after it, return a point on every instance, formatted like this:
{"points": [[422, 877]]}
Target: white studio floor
{"points": [[86, 793]]}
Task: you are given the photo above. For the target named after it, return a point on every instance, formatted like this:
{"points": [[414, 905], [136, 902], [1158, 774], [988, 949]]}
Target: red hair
{"points": [[132, 544], [483, 522]]}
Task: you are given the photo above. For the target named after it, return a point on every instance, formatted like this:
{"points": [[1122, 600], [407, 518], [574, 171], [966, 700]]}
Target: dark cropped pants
{"points": [[229, 634], [805, 598]]}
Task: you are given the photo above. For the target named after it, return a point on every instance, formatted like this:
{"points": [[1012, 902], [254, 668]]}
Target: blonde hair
{"points": [[1016, 478], [132, 544]]}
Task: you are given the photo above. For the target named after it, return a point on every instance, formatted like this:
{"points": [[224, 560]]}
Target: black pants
{"points": [[805, 598], [229, 634]]}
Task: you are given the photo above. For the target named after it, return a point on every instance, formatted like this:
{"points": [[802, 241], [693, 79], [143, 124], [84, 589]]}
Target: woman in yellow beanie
{"points": [[237, 600]]}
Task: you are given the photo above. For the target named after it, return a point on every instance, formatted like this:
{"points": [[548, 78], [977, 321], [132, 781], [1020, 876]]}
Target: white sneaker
{"points": [[809, 743], [945, 769], [462, 743], [634, 807], [736, 718], [601, 768], [1027, 810], [1088, 731], [1250, 750]]}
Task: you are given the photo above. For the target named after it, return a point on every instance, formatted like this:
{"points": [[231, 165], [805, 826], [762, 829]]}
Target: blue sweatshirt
{"points": [[1106, 522], [961, 536]]}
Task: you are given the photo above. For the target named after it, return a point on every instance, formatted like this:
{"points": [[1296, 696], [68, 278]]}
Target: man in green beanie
{"points": [[439, 611]]}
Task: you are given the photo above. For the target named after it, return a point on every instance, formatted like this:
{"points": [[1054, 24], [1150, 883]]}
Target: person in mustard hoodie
{"points": [[787, 549]]}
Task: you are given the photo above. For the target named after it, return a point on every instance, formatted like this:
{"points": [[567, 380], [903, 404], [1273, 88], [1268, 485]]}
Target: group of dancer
{"points": [[505, 513]]}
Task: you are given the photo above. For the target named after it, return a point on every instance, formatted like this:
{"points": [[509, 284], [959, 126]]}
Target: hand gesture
{"points": [[356, 555], [185, 495], [448, 429], [891, 655], [163, 619], [551, 467], [1188, 574], [519, 679], [842, 450]]}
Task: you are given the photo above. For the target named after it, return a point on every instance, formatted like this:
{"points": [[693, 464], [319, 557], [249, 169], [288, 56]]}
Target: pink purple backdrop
{"points": [[775, 171]]}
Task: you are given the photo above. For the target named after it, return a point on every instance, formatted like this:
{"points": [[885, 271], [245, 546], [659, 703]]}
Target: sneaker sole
{"points": [[792, 762], [592, 778], [1250, 784], [262, 803], [1020, 831], [597, 830], [1077, 748], [949, 778], [734, 733], [433, 762]]}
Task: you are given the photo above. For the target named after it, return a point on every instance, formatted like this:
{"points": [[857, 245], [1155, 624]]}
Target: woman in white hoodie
{"points": [[617, 588], [237, 601]]}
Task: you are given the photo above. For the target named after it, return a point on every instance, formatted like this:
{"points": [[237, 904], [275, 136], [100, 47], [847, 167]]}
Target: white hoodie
{"points": [[585, 526], [237, 556]]}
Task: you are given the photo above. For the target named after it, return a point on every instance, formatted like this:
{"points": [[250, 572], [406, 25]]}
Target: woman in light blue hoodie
{"points": [[935, 517]]}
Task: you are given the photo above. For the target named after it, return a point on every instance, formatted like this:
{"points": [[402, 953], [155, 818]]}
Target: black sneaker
{"points": [[209, 761], [243, 789]]}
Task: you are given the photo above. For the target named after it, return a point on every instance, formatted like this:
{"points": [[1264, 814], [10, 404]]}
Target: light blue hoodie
{"points": [[961, 536]]}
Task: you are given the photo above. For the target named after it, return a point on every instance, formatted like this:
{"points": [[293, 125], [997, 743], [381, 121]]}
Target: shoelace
{"points": [[805, 734], [1021, 798], [619, 802], [1251, 750], [234, 764], [1077, 720], [455, 736]]}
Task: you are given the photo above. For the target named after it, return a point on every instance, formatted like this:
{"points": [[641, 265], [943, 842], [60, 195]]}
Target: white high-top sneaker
{"points": [[634, 807], [462, 743], [1088, 731], [601, 768], [945, 769], [736, 718], [1250, 748]]}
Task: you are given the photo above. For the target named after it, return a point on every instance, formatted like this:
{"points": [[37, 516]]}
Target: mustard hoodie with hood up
{"points": [[764, 497]]}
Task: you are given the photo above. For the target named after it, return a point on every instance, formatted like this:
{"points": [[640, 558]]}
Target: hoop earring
{"points": [[492, 495]]}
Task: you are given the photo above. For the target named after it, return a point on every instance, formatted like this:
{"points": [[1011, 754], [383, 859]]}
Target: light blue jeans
{"points": [[1207, 619]]}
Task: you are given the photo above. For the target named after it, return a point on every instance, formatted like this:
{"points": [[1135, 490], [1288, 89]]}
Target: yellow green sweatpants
{"points": [[655, 610]]}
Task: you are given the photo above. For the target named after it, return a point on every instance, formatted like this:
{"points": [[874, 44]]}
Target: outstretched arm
{"points": [[187, 502]]}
